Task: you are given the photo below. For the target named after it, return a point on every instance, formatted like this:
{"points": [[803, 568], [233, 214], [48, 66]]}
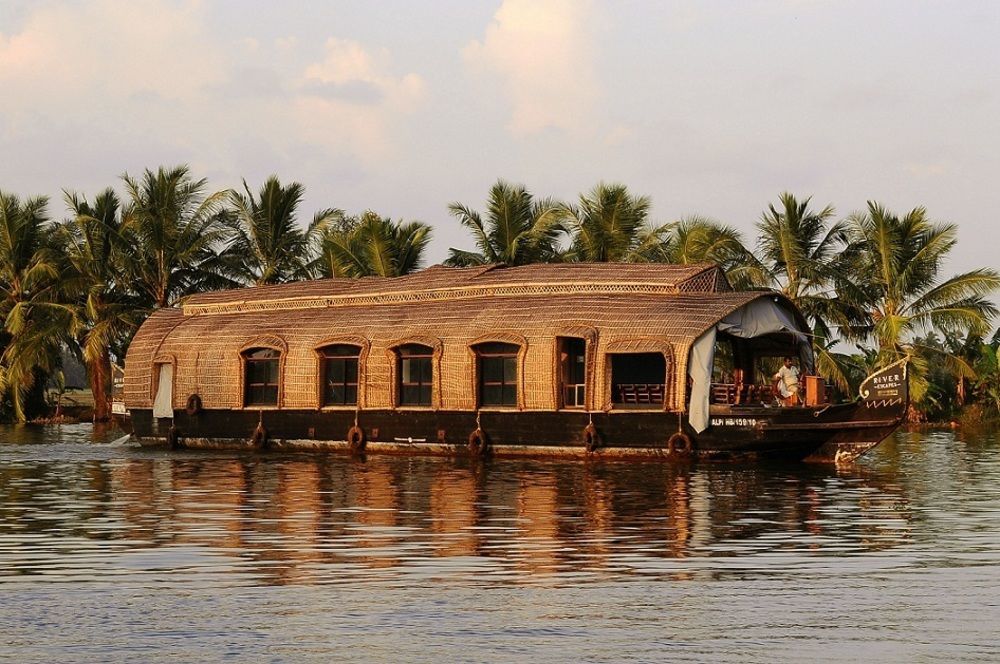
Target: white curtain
{"points": [[700, 370], [760, 317], [163, 404]]}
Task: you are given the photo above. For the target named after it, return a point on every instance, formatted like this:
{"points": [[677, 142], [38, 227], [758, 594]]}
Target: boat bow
{"points": [[883, 399]]}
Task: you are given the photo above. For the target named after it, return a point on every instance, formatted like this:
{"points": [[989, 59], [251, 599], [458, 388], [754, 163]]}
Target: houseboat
{"points": [[606, 360]]}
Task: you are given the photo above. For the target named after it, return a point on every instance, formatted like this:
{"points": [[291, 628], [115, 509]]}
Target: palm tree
{"points": [[609, 224], [267, 246], [517, 229], [805, 256], [107, 312], [374, 246], [987, 384], [702, 240], [967, 349], [175, 232], [897, 261], [34, 322]]}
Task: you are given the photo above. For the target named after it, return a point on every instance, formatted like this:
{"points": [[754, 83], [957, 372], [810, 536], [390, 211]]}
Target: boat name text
{"points": [[733, 422]]}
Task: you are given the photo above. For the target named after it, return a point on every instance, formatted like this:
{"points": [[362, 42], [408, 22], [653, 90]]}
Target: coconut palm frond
{"points": [[376, 246], [516, 229]]}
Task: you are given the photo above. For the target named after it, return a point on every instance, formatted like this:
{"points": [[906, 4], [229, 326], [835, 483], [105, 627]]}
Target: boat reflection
{"points": [[335, 519]]}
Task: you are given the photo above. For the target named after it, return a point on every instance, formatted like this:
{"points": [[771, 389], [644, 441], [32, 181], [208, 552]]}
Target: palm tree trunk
{"points": [[99, 374]]}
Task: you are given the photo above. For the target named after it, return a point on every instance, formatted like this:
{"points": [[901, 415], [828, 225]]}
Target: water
{"points": [[113, 553]]}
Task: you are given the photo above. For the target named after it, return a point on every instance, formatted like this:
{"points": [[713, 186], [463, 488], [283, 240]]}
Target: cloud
{"points": [[153, 77], [349, 99], [358, 92], [351, 73], [62, 51], [542, 53], [927, 169]]}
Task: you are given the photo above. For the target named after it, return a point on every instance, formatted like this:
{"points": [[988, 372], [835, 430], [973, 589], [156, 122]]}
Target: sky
{"points": [[709, 108]]}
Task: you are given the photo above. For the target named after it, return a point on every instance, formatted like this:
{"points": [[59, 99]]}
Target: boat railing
{"points": [[738, 394], [735, 394], [640, 393]]}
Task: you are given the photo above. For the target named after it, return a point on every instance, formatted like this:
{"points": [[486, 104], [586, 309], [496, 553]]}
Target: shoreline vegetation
{"points": [[871, 280]]}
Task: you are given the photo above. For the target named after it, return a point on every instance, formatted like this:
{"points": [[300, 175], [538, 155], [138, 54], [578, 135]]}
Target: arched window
{"points": [[496, 367], [339, 374], [415, 370], [260, 370]]}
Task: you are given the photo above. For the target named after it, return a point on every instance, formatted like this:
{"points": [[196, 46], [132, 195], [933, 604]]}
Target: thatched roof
{"points": [[445, 283], [619, 308]]}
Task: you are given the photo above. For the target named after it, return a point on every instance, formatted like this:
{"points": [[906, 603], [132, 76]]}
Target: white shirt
{"points": [[789, 377]]}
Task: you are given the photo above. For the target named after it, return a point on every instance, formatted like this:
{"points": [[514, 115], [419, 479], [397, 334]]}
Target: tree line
{"points": [[87, 282]]}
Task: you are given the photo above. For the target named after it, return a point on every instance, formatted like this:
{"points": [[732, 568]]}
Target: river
{"points": [[114, 553]]}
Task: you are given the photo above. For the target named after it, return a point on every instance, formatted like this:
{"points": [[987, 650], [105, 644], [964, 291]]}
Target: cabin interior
{"points": [[637, 379], [743, 371]]}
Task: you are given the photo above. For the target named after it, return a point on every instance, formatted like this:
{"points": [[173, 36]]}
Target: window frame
{"points": [[345, 384], [246, 360], [512, 352], [409, 352]]}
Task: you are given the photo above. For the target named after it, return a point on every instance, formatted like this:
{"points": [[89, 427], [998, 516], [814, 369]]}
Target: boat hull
{"points": [[735, 433]]}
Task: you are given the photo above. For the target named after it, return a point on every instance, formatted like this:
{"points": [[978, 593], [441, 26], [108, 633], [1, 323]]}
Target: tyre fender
{"points": [[193, 405], [356, 439], [679, 443], [259, 437], [591, 439], [479, 445]]}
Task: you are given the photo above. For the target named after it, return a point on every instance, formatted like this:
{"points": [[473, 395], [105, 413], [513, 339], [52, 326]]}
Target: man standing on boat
{"points": [[787, 380]]}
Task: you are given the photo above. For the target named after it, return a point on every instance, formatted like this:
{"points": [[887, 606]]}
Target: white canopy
{"points": [[755, 319]]}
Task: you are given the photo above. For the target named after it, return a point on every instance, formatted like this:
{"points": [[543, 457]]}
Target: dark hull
{"points": [[841, 432]]}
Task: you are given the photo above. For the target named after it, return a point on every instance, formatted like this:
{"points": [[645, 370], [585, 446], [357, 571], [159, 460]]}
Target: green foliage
{"points": [[806, 257], [374, 246], [517, 229], [107, 311], [702, 240], [610, 224], [35, 321], [896, 262], [266, 245], [175, 233], [987, 384]]}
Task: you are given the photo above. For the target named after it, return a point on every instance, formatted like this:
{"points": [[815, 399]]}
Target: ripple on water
{"points": [[111, 552]]}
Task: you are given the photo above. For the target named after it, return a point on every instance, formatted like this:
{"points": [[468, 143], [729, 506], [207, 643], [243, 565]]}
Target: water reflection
{"points": [[332, 519], [110, 553]]}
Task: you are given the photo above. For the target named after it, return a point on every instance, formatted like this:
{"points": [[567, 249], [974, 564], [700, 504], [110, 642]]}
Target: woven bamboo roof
{"points": [[445, 283]]}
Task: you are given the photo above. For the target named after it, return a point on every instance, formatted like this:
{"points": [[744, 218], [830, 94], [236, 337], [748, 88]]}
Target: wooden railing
{"points": [[639, 393], [734, 394], [737, 394]]}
